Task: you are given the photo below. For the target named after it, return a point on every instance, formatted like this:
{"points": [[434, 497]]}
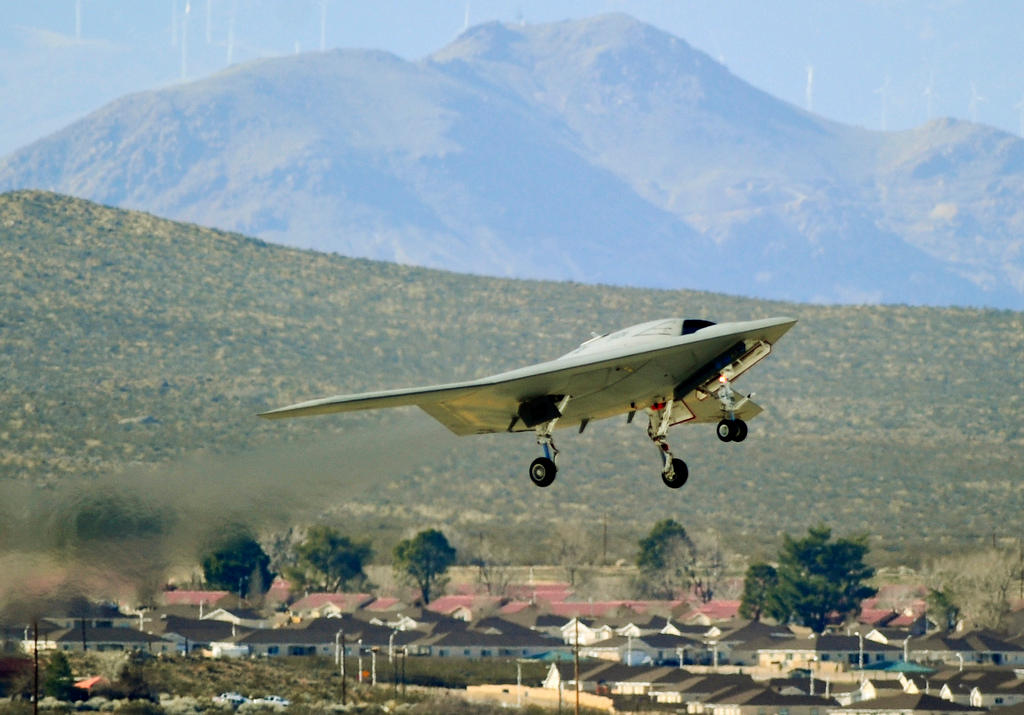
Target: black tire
{"points": [[741, 431], [542, 471], [680, 473], [726, 430]]}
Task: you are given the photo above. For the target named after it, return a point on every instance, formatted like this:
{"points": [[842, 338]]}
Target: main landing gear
{"points": [[732, 430], [674, 472], [543, 469]]}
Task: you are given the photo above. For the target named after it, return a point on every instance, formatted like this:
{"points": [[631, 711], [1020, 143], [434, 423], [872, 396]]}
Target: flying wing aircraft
{"points": [[673, 370]]}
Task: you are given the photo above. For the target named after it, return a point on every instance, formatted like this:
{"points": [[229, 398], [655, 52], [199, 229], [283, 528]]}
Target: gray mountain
{"points": [[601, 150]]}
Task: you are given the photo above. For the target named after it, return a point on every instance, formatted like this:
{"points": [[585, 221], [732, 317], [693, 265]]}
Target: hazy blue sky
{"points": [[881, 63]]}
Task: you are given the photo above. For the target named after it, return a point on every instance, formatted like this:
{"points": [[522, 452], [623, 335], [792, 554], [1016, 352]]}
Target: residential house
{"points": [[980, 647], [322, 605], [694, 689], [465, 607], [825, 653], [203, 601], [241, 617], [982, 687], [92, 615], [905, 704], [623, 649], [758, 700], [740, 644], [192, 635], [106, 639]]}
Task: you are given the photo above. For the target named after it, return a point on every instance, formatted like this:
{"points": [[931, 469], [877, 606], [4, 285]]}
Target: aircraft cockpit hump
{"points": [[653, 330]]}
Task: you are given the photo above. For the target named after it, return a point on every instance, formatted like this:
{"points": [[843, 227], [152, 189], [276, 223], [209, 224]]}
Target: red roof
{"points": [[90, 683], [720, 610], [344, 601], [447, 604], [383, 604], [280, 590], [876, 616], [193, 598]]}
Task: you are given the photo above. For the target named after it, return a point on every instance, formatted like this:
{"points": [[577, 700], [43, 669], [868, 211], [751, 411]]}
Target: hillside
{"points": [[599, 150], [130, 344]]}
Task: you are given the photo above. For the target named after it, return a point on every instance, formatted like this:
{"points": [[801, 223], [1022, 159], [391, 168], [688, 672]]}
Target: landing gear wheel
{"points": [[542, 471], [741, 431], [726, 430], [679, 474]]}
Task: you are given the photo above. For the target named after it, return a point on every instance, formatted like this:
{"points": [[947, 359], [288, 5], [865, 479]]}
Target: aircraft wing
{"points": [[601, 384], [473, 407]]}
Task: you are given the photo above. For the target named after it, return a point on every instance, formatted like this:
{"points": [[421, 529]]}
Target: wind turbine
{"points": [[465, 21], [976, 99], [231, 30], [809, 89], [929, 96], [323, 25], [184, 40], [884, 92]]}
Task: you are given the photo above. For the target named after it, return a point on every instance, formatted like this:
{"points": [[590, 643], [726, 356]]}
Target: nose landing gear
{"points": [[674, 471]]}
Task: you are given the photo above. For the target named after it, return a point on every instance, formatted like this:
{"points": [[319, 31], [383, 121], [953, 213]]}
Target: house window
{"points": [[483, 653], [442, 652], [999, 701], [465, 652], [274, 650], [825, 656]]}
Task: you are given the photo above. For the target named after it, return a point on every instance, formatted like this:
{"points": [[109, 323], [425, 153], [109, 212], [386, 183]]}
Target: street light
{"points": [[359, 660], [860, 652]]}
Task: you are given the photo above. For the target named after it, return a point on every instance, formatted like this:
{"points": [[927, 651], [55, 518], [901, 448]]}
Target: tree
{"points": [[423, 560], [238, 563], [975, 586], [821, 579], [57, 679], [940, 603], [666, 560], [759, 586], [329, 561]]}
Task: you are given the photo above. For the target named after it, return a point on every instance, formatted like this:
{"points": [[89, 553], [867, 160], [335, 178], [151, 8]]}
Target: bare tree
{"points": [[574, 550], [979, 584], [493, 563]]}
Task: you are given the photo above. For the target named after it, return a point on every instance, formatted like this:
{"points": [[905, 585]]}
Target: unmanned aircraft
{"points": [[673, 370]]}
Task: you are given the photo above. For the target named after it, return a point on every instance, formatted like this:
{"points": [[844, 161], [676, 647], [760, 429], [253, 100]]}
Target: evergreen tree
{"points": [[57, 679], [328, 561], [423, 560], [759, 587], [821, 580], [665, 560], [238, 564]]}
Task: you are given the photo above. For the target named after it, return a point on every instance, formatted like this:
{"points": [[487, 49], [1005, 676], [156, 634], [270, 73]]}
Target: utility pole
{"points": [[604, 539], [35, 667], [339, 654], [576, 664]]}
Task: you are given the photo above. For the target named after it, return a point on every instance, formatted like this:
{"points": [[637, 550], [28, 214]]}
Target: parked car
{"points": [[276, 700], [232, 699]]}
